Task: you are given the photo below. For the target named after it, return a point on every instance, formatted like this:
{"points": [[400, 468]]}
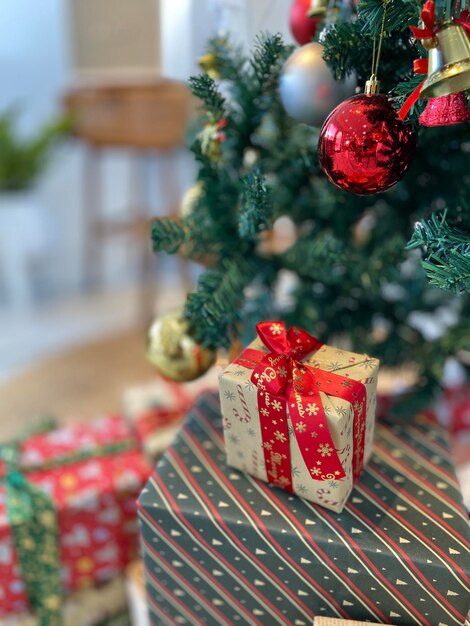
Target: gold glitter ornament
{"points": [[172, 350], [189, 199], [208, 63]]}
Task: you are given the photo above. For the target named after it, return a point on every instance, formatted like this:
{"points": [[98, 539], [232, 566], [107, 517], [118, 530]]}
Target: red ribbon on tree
{"points": [[420, 66], [464, 21], [285, 383]]}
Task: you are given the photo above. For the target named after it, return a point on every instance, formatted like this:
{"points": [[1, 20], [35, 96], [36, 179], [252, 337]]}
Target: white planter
{"points": [[24, 237]]}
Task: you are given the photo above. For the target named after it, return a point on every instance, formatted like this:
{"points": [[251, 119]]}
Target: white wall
{"points": [[36, 69], [187, 24]]}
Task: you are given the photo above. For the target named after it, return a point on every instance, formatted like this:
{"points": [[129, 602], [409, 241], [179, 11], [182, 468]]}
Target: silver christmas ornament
{"points": [[307, 88]]}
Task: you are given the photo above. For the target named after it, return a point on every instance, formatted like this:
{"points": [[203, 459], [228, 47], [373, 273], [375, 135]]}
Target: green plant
{"points": [[23, 160]]}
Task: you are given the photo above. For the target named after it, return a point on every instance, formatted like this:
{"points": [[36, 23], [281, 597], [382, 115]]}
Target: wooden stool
{"points": [[148, 117]]}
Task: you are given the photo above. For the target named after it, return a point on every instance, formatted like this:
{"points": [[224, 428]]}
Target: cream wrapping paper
{"points": [[242, 429]]}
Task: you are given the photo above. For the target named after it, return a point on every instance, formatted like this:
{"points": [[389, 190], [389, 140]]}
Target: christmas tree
{"points": [[354, 274]]}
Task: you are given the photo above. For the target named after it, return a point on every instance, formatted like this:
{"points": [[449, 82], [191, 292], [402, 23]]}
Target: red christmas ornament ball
{"points": [[364, 147], [302, 27]]}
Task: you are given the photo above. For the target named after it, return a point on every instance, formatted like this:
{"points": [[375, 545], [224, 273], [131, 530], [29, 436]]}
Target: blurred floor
{"points": [[28, 336], [73, 359], [78, 384]]}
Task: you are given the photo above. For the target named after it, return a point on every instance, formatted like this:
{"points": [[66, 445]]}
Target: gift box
{"points": [[68, 509], [155, 410], [299, 414], [135, 587], [87, 607], [221, 547]]}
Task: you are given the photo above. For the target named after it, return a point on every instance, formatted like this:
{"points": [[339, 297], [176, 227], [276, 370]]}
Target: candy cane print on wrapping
{"points": [[246, 417]]}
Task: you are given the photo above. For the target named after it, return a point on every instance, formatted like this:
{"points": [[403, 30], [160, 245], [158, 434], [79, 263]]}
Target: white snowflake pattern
{"points": [[268, 445], [280, 436], [265, 412], [315, 471], [277, 405], [276, 329], [314, 434], [325, 449], [312, 408], [301, 427]]}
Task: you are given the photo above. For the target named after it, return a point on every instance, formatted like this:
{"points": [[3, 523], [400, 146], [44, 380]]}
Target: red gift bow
{"points": [[282, 378], [420, 66]]}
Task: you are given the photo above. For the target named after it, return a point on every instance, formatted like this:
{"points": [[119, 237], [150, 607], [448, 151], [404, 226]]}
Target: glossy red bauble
{"points": [[364, 147], [302, 27]]}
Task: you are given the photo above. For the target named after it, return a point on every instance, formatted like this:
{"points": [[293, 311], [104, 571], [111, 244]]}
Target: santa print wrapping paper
{"points": [[311, 436], [223, 548], [94, 500]]}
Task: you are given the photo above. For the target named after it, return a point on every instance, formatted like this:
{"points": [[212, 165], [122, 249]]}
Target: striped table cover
{"points": [[225, 549]]}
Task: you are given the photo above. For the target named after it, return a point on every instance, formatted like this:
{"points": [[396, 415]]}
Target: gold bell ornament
{"points": [[318, 8], [172, 350], [447, 68], [448, 62]]}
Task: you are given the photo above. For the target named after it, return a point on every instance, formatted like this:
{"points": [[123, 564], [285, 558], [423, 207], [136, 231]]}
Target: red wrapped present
{"points": [[156, 409], [76, 487]]}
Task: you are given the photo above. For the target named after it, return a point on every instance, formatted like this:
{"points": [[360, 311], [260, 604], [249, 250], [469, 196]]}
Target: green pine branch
{"points": [[205, 88], [446, 253], [255, 208], [167, 235], [269, 50], [310, 255], [214, 308], [229, 60], [399, 14]]}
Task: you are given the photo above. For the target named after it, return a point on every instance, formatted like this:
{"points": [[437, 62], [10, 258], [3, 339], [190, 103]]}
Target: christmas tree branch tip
{"points": [[446, 253]]}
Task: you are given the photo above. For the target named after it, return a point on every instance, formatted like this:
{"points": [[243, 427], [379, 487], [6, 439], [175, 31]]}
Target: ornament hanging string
{"points": [[372, 84], [381, 36]]}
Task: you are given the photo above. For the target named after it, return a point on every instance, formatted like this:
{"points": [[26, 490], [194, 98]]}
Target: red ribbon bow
{"points": [[428, 17], [282, 379]]}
